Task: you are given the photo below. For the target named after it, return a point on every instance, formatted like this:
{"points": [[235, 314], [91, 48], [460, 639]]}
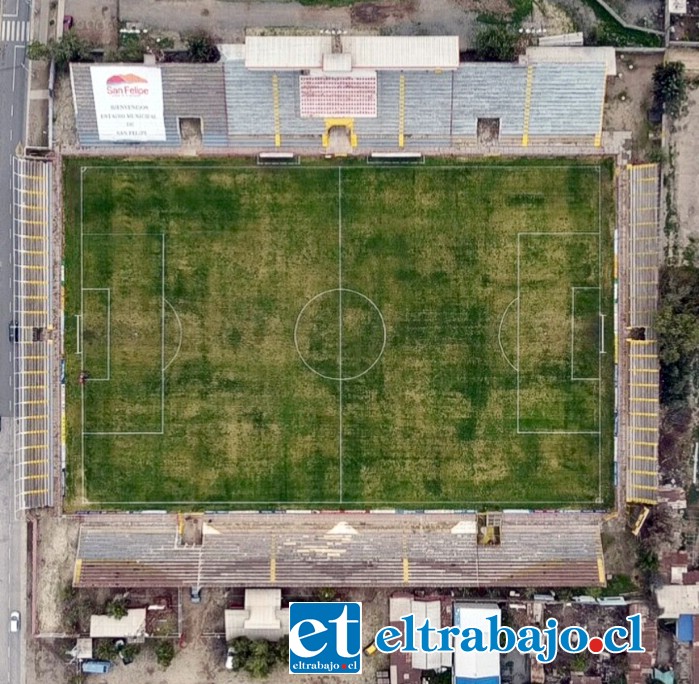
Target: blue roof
{"points": [[685, 629], [477, 680]]}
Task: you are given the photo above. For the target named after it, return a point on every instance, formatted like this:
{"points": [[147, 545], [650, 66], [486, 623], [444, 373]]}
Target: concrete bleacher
{"points": [[544, 103], [489, 91], [565, 106], [303, 549], [189, 91], [428, 104]]}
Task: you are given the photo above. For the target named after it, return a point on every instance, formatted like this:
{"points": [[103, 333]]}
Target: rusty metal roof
{"points": [[552, 549]]}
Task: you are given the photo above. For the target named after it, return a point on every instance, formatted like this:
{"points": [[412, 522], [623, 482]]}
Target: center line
{"points": [[339, 278]]}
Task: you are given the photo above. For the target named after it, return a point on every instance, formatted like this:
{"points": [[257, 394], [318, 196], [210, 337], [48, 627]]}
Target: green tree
{"points": [[497, 43], [105, 649], [116, 608], [670, 88], [164, 652], [201, 47], [679, 334], [68, 48], [263, 655]]}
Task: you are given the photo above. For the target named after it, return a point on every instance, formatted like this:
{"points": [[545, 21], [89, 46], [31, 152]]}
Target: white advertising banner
{"points": [[128, 103]]}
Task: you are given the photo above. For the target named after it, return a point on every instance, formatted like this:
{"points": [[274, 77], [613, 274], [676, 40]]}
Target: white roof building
{"points": [[677, 599], [399, 606], [474, 667], [357, 52], [261, 618]]}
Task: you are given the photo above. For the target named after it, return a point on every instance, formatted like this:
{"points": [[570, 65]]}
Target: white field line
{"points": [[108, 290], [502, 321], [83, 169], [162, 335], [572, 334], [599, 308], [179, 343], [441, 167], [162, 355], [601, 334], [458, 506], [519, 307], [339, 285], [78, 334]]}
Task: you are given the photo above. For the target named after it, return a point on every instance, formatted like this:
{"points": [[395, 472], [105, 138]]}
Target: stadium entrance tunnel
{"points": [[340, 334], [339, 137]]}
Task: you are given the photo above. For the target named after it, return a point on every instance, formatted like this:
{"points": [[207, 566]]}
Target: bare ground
{"points": [[685, 141], [629, 98], [58, 542]]}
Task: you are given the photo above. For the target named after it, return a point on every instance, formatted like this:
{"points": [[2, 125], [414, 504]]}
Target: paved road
{"points": [[13, 89], [14, 31]]}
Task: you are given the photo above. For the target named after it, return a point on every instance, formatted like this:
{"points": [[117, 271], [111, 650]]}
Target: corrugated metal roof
{"points": [[537, 549], [286, 52], [402, 52]]}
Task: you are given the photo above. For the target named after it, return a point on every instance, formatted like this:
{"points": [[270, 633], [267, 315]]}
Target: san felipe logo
{"points": [[127, 84]]}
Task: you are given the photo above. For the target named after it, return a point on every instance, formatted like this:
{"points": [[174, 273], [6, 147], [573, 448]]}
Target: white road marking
{"points": [[15, 13], [14, 31]]}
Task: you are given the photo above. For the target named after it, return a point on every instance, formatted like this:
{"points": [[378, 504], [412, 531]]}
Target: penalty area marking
{"points": [[179, 342], [519, 301], [502, 322]]}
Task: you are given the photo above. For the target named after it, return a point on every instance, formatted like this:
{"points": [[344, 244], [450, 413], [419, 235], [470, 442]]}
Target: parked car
{"points": [[195, 594], [96, 666], [14, 331], [68, 22], [15, 621]]}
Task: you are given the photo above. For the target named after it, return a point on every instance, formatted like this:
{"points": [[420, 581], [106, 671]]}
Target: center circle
{"points": [[340, 334]]}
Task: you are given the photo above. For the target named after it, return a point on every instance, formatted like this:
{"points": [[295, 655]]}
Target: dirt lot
{"points": [[628, 100], [58, 542], [685, 141]]}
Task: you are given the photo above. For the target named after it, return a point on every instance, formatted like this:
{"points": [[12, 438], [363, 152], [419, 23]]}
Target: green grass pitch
{"points": [[434, 336]]}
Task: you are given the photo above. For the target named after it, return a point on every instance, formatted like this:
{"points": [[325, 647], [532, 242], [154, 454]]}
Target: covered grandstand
{"points": [[388, 93], [531, 549]]}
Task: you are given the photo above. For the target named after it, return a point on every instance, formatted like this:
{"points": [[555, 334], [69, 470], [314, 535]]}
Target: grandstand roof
{"points": [[286, 52], [372, 549], [402, 52], [367, 52]]}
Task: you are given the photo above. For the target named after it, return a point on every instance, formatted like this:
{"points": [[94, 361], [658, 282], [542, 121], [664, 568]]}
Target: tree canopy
{"points": [[201, 47], [670, 90], [497, 43], [68, 48]]}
